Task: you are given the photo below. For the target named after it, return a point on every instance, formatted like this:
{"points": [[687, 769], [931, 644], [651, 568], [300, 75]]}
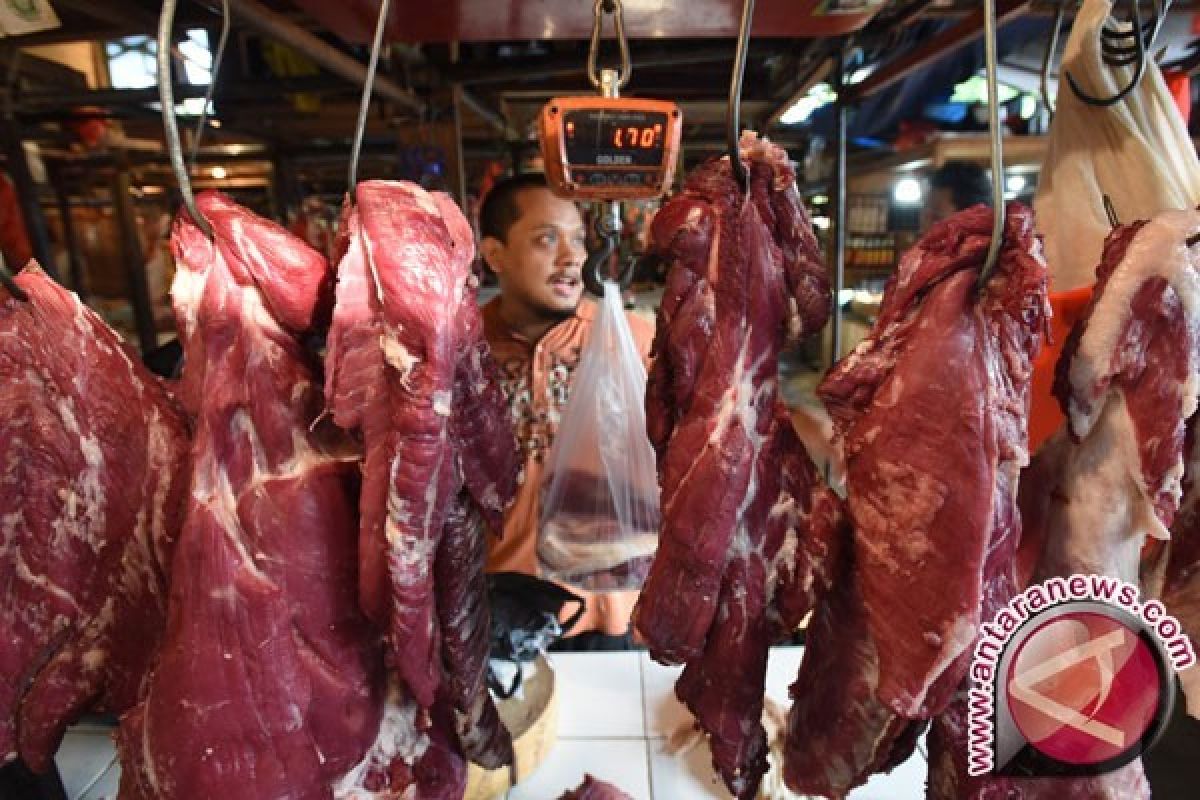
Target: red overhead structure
{"points": [[514, 20]]}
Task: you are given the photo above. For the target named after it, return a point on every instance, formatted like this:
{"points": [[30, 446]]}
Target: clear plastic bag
{"points": [[599, 520]]}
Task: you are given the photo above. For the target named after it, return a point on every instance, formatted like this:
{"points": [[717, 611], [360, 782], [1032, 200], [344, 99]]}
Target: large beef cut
{"points": [[930, 410], [268, 683], [1128, 382], [747, 522], [93, 455], [1137, 152], [409, 373]]}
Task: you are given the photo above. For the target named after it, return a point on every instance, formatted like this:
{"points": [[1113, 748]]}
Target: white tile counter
{"points": [[616, 711]]}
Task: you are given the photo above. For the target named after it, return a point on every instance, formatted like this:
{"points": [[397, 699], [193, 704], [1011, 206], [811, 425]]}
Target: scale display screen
{"points": [[610, 148], [602, 138]]}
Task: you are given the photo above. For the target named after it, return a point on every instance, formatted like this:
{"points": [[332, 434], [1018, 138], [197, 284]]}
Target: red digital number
{"points": [[617, 139], [648, 137]]}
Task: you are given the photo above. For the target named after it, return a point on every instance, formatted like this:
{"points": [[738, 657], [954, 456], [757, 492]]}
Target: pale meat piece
{"points": [[94, 471], [269, 680], [408, 372], [1136, 151], [736, 569], [1127, 381]]}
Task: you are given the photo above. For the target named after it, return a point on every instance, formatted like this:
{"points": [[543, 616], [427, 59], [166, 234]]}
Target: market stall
{"points": [[599, 400]]}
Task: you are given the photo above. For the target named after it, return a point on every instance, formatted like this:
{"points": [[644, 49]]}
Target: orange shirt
{"points": [[537, 381]]}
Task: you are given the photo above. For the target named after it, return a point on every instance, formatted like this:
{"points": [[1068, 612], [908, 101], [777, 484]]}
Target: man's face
{"points": [[940, 206], [539, 264]]}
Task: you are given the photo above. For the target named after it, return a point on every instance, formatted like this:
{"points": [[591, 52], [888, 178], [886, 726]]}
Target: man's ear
{"points": [[492, 250]]}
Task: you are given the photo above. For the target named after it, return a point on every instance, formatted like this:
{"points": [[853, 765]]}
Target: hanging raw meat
{"points": [[931, 413], [408, 371], [94, 455], [1137, 151], [1128, 382], [1181, 589], [738, 568], [268, 683]]}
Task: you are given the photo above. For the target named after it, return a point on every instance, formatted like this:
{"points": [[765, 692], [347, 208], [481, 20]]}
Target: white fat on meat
{"points": [[398, 738], [1159, 249]]}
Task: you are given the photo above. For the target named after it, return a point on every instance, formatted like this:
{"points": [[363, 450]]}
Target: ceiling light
{"points": [[907, 192], [1015, 183], [219, 173]]}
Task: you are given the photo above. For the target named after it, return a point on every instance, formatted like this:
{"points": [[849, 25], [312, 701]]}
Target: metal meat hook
{"points": [[1123, 48], [218, 57], [733, 113], [9, 283], [166, 95], [364, 105], [997, 145]]}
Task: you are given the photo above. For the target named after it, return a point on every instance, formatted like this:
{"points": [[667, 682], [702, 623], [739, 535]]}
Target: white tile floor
{"points": [[615, 712]]}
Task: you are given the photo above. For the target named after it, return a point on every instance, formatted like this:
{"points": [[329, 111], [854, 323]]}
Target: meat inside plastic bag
{"points": [[599, 522]]}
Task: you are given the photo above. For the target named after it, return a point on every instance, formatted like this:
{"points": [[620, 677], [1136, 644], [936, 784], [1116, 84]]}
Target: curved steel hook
{"points": [[364, 105], [8, 281], [1049, 57], [733, 113], [600, 8], [218, 56], [1120, 58], [166, 94], [998, 216]]}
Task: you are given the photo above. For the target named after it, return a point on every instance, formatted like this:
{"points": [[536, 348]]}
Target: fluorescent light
{"points": [[821, 222], [907, 192], [859, 75], [218, 172], [1015, 183], [820, 199], [802, 109]]}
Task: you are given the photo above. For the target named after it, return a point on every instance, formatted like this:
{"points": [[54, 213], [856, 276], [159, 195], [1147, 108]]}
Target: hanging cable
{"points": [[364, 105], [166, 94], [733, 114], [997, 143], [212, 82]]}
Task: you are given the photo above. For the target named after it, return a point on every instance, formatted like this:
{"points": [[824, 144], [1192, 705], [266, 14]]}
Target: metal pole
{"points": [[842, 109], [460, 165], [135, 262], [258, 17], [27, 196], [74, 255]]}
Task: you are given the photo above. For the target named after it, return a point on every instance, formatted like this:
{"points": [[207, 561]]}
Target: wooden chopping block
{"points": [[531, 716]]}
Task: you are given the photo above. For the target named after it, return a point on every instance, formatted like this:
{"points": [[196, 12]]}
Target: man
{"points": [[954, 186], [534, 242]]}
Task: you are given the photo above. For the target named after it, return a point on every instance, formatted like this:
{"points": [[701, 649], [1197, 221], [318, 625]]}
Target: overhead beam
{"points": [[967, 30], [492, 117], [257, 17]]}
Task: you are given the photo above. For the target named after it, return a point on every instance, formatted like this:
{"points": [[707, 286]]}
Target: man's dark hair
{"points": [[500, 209], [967, 183]]}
